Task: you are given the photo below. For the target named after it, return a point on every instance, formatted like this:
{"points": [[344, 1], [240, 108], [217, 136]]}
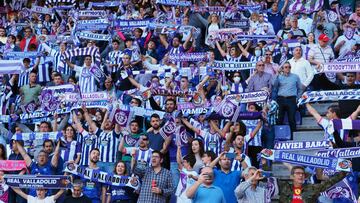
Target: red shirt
{"points": [[297, 195]]}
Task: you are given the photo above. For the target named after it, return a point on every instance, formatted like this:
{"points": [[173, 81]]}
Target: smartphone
{"points": [[230, 155]]}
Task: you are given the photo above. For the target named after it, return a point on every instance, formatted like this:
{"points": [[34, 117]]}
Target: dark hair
{"points": [[170, 99], [125, 172], [201, 144], [87, 56], [138, 100], [242, 131], [73, 78], [26, 60], [47, 123], [334, 109], [190, 158], [296, 167], [257, 107], [135, 121], [154, 116], [211, 154], [57, 74], [47, 140], [94, 149], [3, 155], [158, 152], [139, 30], [116, 41]]}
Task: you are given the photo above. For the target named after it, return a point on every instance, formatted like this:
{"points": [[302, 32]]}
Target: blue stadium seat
{"points": [[282, 132]]}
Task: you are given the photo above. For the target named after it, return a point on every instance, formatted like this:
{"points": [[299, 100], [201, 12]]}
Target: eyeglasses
{"points": [[267, 54], [28, 31]]}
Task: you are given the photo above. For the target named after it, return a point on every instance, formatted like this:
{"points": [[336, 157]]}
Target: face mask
{"points": [[236, 79], [257, 52]]}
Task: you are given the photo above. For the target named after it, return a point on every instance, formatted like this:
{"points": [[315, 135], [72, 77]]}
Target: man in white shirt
{"points": [[346, 41], [40, 196], [318, 56], [305, 23], [302, 68]]}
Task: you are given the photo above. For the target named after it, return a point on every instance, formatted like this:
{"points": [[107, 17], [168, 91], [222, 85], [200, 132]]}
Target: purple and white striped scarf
{"points": [[196, 56], [307, 7], [331, 95], [11, 66]]}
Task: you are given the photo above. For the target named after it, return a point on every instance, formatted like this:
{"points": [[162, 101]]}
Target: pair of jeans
{"points": [[287, 104]]}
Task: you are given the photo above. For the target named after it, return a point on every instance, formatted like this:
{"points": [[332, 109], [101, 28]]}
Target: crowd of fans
{"points": [[218, 157]]}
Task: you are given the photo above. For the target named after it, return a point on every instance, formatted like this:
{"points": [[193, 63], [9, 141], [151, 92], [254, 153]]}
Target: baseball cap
{"points": [[324, 38]]}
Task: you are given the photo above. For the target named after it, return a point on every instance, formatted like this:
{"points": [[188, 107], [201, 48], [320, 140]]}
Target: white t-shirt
{"points": [[32, 199], [348, 43], [180, 190]]}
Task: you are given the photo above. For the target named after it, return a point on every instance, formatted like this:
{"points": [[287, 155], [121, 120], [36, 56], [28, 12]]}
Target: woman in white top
{"points": [[213, 25]]}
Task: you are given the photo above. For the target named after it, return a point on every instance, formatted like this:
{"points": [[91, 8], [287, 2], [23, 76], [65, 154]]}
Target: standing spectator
{"points": [[356, 15], [224, 178], [259, 79], [28, 40], [344, 44], [40, 196], [318, 56], [249, 191], [275, 17], [305, 23], [288, 89], [297, 32], [301, 68], [203, 189], [15, 155], [157, 184], [76, 194], [31, 91]]}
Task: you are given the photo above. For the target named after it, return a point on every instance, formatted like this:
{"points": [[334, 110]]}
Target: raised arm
{"points": [[179, 157], [20, 192], [355, 114], [23, 154], [58, 194], [163, 41], [191, 127], [313, 112], [88, 119], [187, 41], [78, 125], [104, 120], [222, 52], [71, 65], [55, 158], [244, 51], [134, 82], [283, 10]]}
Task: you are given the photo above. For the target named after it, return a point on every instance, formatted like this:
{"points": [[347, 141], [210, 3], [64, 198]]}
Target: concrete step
{"points": [[308, 123], [309, 135]]}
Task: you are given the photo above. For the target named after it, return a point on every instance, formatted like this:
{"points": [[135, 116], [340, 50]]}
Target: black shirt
{"points": [[82, 199]]}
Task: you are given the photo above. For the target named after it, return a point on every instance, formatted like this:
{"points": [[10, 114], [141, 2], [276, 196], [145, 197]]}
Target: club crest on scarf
{"points": [[349, 33], [121, 118]]}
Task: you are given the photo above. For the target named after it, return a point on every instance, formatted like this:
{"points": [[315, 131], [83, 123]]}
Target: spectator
{"points": [[301, 68], [77, 196], [249, 190], [28, 39], [157, 184], [259, 79], [40, 195], [288, 89], [275, 17], [203, 189]]}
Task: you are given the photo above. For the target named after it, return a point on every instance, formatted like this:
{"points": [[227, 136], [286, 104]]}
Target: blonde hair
{"points": [[210, 17]]}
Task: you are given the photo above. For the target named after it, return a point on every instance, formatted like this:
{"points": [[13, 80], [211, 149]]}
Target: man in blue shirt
{"points": [[224, 178], [288, 89], [203, 190]]}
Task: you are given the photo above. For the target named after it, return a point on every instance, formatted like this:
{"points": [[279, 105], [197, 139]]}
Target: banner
{"points": [[131, 23], [189, 108], [305, 6], [93, 96], [106, 4], [301, 145], [331, 95], [12, 165], [243, 24], [11, 66], [93, 36], [40, 9], [168, 129], [232, 66], [307, 160], [196, 56], [174, 2], [37, 136], [38, 181], [340, 67], [347, 189], [95, 175], [351, 152], [20, 55], [248, 97]]}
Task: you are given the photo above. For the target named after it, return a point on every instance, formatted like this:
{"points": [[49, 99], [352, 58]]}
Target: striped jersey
{"points": [[114, 57], [70, 152], [44, 72], [88, 142], [250, 126], [177, 50], [108, 145], [87, 81], [236, 165], [144, 156], [24, 77], [212, 141]]}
